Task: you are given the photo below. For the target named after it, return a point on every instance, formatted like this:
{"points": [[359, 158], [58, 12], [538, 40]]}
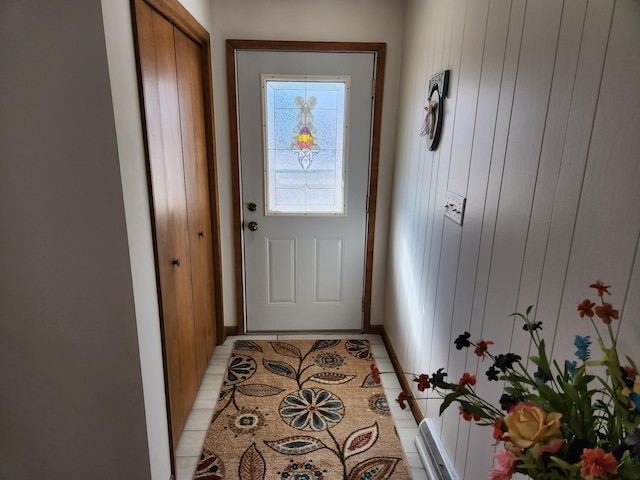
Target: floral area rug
{"points": [[302, 410]]}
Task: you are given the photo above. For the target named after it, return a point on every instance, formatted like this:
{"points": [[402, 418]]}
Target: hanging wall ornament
{"points": [[304, 142], [438, 88]]}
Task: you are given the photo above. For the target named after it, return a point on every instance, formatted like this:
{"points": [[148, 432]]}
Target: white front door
{"points": [[305, 131]]}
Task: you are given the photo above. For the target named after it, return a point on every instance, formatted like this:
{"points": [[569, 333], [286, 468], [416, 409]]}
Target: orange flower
{"points": [[601, 287], [401, 398], [481, 348], [497, 429], [597, 463], [375, 373], [469, 416], [586, 308], [529, 425], [606, 312], [467, 379], [423, 382], [631, 373]]}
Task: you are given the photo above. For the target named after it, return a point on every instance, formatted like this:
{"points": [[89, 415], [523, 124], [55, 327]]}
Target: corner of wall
{"points": [[124, 91]]}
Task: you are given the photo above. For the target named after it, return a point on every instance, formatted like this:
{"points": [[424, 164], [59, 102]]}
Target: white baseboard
{"points": [[432, 453]]}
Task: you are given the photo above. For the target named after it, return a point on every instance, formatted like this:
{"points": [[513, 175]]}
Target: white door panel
{"points": [[281, 270], [329, 270], [304, 272]]}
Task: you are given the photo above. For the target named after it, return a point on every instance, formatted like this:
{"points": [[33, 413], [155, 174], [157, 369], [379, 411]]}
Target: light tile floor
{"points": [[197, 424]]}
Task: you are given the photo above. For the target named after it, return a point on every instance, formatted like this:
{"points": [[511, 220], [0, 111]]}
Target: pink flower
{"points": [[505, 461]]}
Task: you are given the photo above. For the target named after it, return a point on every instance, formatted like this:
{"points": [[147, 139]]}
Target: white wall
{"points": [[307, 20], [541, 136], [72, 398]]}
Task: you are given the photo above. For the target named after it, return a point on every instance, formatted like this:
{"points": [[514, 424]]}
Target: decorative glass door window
{"points": [[304, 122]]}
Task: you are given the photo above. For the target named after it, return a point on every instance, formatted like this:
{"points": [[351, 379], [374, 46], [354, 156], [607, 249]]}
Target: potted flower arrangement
{"points": [[571, 421]]}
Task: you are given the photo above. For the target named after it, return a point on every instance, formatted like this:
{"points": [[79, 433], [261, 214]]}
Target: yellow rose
{"points": [[528, 426]]}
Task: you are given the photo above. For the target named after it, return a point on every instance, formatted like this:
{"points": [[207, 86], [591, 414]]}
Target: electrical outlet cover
{"points": [[454, 208]]}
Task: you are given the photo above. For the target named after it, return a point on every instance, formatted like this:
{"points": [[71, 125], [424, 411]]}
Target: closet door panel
{"points": [[194, 144], [162, 117]]}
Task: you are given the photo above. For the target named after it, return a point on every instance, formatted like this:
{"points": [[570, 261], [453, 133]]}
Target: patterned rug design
{"points": [[301, 410]]}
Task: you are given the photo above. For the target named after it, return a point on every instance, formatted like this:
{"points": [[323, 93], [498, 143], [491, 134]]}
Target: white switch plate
{"points": [[454, 208]]}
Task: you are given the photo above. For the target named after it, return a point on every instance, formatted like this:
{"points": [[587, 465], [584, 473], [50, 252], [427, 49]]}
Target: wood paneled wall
{"points": [[541, 135]]}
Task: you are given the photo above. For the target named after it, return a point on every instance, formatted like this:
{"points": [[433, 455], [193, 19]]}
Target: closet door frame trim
{"points": [[177, 15]]}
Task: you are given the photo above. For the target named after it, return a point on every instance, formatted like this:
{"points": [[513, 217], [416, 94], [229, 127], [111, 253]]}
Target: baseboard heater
{"points": [[432, 453]]}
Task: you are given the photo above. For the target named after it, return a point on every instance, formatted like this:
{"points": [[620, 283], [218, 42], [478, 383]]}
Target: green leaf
{"points": [[629, 467], [542, 357], [631, 363], [474, 409], [448, 399]]}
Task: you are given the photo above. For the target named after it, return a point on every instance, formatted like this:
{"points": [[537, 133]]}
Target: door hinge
{"points": [[367, 206], [373, 87], [363, 304]]}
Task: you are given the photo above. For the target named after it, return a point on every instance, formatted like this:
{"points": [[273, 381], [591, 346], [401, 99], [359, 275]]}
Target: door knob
{"points": [[253, 226], [251, 207]]}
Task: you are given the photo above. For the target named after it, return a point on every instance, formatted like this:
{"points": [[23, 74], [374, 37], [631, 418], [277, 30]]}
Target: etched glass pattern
{"points": [[305, 129]]}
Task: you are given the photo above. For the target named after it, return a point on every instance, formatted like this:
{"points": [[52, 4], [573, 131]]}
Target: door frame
{"points": [[379, 50]]}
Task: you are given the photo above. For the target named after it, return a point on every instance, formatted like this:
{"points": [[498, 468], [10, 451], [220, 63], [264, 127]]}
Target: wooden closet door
{"points": [[157, 58], [192, 121]]}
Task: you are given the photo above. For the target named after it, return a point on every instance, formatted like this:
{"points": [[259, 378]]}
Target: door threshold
{"points": [[305, 332]]}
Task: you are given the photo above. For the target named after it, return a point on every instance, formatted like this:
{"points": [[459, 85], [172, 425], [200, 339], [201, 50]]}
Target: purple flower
{"points": [[633, 442], [463, 341], [507, 401], [625, 378], [505, 362], [438, 376], [542, 376], [492, 373], [531, 327]]}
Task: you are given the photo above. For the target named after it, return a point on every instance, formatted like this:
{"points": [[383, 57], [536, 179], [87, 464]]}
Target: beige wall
{"points": [[307, 20], [541, 136], [72, 399]]}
